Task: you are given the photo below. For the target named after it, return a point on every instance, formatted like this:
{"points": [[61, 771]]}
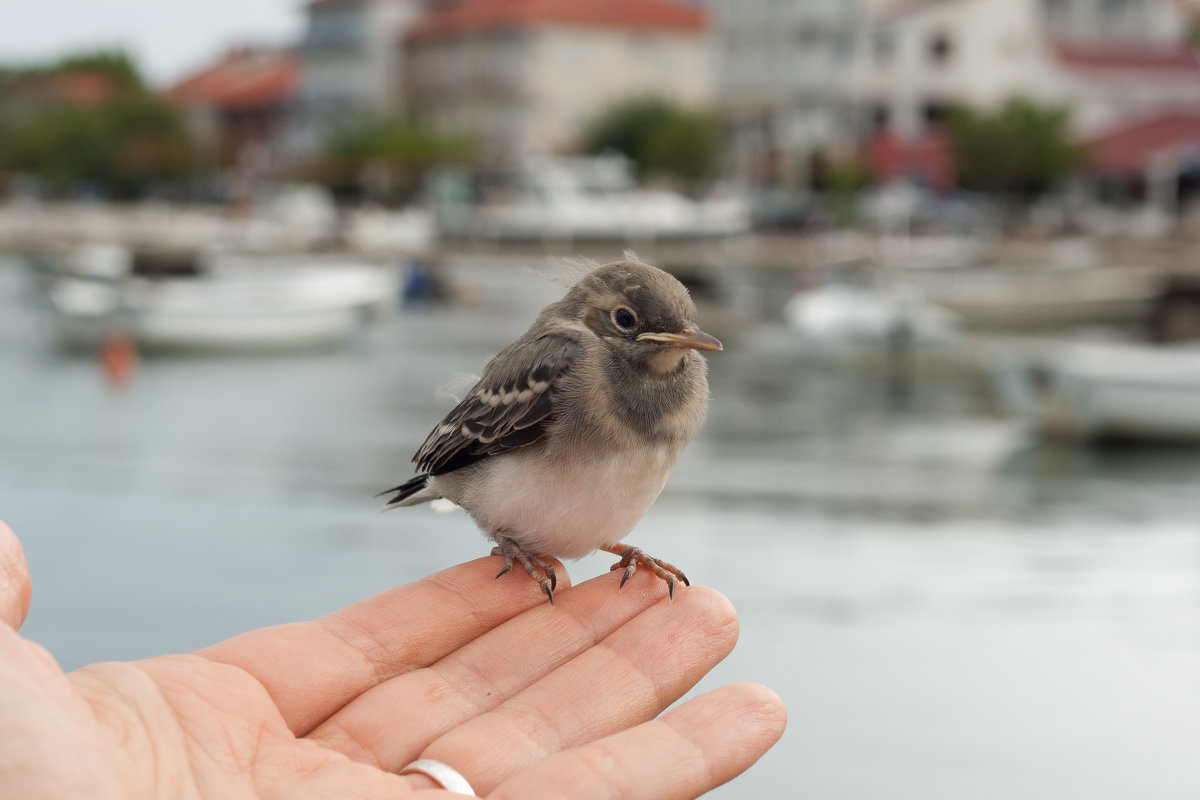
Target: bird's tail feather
{"points": [[409, 493]]}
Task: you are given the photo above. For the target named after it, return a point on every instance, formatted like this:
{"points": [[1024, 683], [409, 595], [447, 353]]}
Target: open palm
{"points": [[523, 698]]}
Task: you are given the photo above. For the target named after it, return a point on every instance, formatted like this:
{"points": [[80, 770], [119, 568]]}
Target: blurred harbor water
{"points": [[949, 609]]}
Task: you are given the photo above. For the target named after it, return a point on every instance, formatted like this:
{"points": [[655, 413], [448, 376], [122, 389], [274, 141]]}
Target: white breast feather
{"points": [[568, 512]]}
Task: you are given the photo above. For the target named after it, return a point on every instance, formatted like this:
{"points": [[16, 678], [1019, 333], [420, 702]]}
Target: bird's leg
{"points": [[538, 568], [630, 558]]}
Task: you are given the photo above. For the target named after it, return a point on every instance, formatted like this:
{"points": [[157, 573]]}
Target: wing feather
{"points": [[509, 407]]}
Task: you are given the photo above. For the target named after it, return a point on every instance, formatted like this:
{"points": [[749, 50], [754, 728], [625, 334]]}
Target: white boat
{"points": [[915, 465], [228, 305], [845, 319], [1110, 390], [1014, 298], [596, 198]]}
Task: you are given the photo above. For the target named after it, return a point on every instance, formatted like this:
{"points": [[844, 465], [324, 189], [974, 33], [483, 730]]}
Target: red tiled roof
{"points": [[242, 79], [482, 15], [74, 86], [1127, 150], [1128, 59], [83, 87]]}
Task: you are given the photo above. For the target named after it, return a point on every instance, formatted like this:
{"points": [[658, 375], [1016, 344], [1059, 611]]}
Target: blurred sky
{"points": [[167, 37]]}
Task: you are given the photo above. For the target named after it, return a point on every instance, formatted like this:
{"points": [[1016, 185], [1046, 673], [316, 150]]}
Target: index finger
{"points": [[311, 669], [14, 579], [695, 747]]}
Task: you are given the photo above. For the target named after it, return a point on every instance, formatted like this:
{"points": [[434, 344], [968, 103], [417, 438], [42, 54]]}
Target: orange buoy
{"points": [[118, 358]]}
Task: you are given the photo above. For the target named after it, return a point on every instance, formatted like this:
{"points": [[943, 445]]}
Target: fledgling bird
{"points": [[571, 432]]}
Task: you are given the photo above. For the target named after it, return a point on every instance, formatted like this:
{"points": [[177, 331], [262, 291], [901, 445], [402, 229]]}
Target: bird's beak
{"points": [[690, 338]]}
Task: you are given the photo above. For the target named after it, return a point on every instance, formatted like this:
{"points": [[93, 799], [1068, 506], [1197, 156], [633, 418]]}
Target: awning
{"points": [[1129, 150]]}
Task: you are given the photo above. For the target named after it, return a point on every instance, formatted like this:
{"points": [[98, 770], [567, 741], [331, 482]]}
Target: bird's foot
{"points": [[632, 556], [538, 568]]}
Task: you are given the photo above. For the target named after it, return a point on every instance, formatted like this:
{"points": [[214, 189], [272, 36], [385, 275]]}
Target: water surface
{"points": [[947, 613]]}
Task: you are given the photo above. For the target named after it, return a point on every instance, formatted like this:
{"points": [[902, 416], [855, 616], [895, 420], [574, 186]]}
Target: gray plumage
{"points": [[570, 433]]}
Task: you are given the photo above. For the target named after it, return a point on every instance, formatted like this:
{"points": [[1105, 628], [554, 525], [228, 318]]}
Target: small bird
{"points": [[571, 432]]}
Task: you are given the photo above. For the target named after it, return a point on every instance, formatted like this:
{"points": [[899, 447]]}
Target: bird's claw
{"points": [[632, 556], [538, 568], [508, 560]]}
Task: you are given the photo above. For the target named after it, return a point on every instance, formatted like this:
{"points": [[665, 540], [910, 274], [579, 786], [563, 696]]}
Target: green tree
{"points": [[396, 140], [659, 136], [1022, 150], [844, 181], [384, 156], [121, 146]]}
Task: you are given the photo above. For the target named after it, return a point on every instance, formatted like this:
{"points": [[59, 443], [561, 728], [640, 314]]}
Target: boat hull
{"points": [[233, 305]]}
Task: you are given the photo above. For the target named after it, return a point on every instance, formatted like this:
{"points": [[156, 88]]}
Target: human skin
{"points": [[525, 699]]}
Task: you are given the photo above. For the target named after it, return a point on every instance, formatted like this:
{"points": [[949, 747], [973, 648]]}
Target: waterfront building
{"points": [[349, 63], [780, 85], [1108, 61], [238, 106], [524, 77]]}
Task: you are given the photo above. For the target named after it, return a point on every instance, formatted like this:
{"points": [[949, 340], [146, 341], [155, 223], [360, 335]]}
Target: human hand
{"points": [[523, 698]]}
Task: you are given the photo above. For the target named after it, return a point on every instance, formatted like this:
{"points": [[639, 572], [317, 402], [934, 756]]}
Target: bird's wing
{"points": [[509, 407]]}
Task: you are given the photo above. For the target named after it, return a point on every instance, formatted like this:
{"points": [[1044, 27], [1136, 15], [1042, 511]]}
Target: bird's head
{"points": [[642, 314]]}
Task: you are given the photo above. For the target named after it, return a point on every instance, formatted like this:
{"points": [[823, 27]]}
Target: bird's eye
{"points": [[624, 318]]}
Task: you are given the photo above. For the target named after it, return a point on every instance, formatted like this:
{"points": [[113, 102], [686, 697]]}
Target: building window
{"points": [[335, 29], [1115, 8], [883, 46], [1056, 10], [935, 114], [941, 48], [807, 33], [880, 118], [842, 49]]}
